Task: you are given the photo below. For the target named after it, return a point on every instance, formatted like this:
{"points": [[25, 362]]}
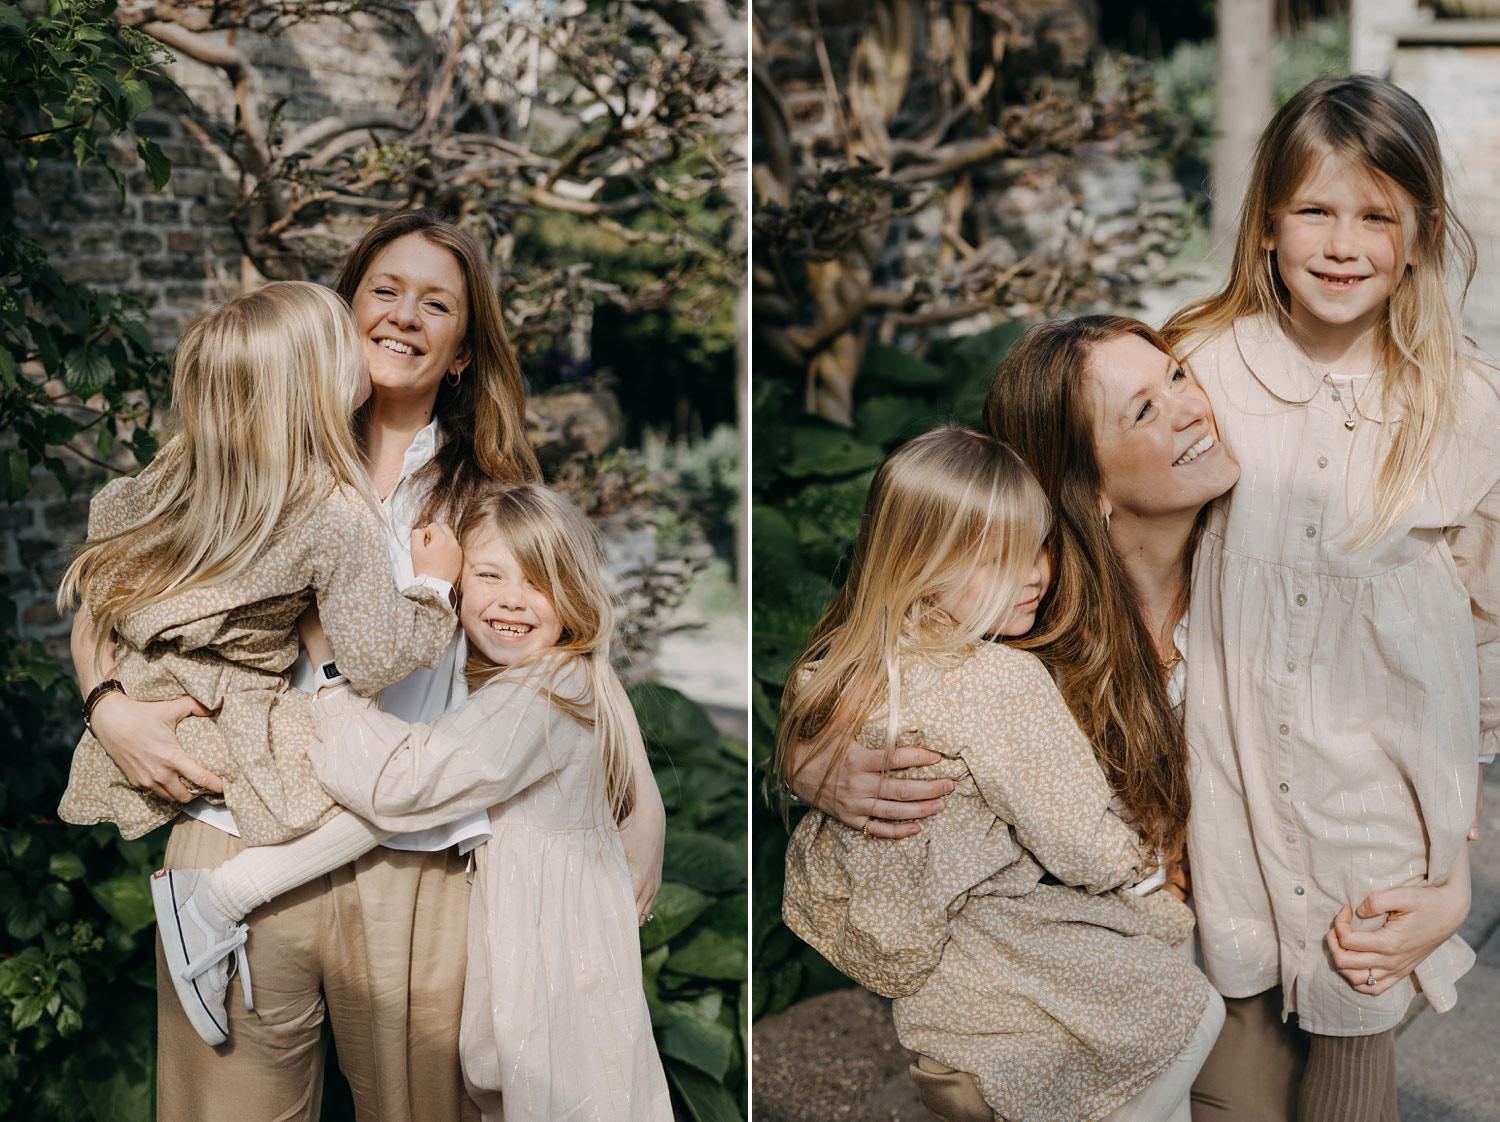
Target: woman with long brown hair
{"points": [[376, 948], [1124, 444]]}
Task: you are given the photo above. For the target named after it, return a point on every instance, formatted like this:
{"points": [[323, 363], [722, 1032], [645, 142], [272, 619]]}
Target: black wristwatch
{"points": [[96, 695]]}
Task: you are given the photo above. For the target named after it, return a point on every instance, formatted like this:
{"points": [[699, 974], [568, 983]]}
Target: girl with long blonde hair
{"points": [[543, 744], [1010, 930], [1343, 663], [199, 567]]}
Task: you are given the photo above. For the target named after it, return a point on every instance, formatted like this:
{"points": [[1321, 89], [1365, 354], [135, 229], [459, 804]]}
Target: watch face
{"points": [[329, 670]]}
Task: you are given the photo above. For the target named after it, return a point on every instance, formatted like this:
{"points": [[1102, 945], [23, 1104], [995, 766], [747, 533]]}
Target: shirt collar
{"points": [[421, 450], [1279, 366]]}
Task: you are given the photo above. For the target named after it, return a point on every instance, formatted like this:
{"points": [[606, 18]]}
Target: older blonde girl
{"points": [[1344, 663]]}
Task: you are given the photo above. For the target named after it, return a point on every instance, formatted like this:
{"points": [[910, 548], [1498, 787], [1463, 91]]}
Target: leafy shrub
{"points": [[809, 482], [693, 953]]}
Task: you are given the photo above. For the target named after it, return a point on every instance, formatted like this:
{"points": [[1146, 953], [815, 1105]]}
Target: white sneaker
{"points": [[199, 944]]}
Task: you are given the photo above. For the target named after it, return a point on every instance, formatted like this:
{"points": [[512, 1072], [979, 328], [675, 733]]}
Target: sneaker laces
{"points": [[215, 954]]}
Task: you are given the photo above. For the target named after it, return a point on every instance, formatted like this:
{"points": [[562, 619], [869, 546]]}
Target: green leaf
{"points": [[704, 861], [137, 333], [894, 367], [670, 721], [676, 907], [8, 369], [137, 96], [12, 22], [86, 370], [710, 954], [683, 1034], [707, 1099], [24, 919], [158, 167], [818, 450], [69, 1021], [127, 897], [891, 418], [65, 866], [26, 1012], [46, 346], [15, 476]]}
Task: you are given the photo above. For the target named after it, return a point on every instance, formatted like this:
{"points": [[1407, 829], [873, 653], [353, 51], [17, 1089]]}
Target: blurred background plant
{"points": [[597, 151]]}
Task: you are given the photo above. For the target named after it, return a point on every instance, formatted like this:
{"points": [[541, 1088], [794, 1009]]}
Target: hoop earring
{"points": [[1106, 523], [453, 377]]}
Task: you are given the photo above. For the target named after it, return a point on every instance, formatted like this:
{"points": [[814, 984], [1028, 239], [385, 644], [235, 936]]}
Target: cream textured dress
{"points": [[1337, 701], [229, 645], [555, 1024], [1002, 929]]}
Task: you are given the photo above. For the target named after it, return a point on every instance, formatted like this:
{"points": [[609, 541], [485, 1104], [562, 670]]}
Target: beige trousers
{"points": [[1266, 1070], [375, 949]]}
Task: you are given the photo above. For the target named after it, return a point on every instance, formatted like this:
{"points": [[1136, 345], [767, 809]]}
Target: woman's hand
{"points": [[860, 795], [435, 552], [1417, 922], [139, 736]]}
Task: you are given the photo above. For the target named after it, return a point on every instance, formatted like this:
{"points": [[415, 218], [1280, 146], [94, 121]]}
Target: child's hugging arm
{"points": [[1037, 771], [407, 777], [380, 633]]}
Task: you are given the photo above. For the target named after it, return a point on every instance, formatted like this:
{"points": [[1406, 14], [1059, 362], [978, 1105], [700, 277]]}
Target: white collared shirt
{"points": [[422, 695]]}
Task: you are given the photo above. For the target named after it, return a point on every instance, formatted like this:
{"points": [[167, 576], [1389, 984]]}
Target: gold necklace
{"points": [[1338, 397], [1169, 663]]}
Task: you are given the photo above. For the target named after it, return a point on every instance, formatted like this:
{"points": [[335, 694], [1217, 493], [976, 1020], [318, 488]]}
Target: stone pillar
{"points": [[1246, 30]]}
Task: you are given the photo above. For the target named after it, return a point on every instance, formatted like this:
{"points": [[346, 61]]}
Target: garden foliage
{"points": [[809, 482], [75, 947], [77, 965]]}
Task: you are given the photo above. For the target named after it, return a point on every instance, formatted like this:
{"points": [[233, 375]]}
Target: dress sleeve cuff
{"points": [[341, 701], [441, 588], [1150, 884]]}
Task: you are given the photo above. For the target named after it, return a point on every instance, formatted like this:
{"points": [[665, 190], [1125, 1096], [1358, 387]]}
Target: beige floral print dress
{"points": [[229, 645], [1005, 930]]}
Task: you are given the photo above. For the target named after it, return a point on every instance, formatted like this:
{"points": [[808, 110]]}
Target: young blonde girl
{"points": [[1342, 660], [555, 1023], [1006, 930], [198, 568]]}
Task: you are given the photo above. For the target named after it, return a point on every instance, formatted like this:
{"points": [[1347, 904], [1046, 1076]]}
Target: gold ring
{"points": [[866, 827]]}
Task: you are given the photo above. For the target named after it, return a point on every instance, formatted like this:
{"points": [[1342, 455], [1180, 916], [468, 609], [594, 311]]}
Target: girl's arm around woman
{"points": [[408, 777]]}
